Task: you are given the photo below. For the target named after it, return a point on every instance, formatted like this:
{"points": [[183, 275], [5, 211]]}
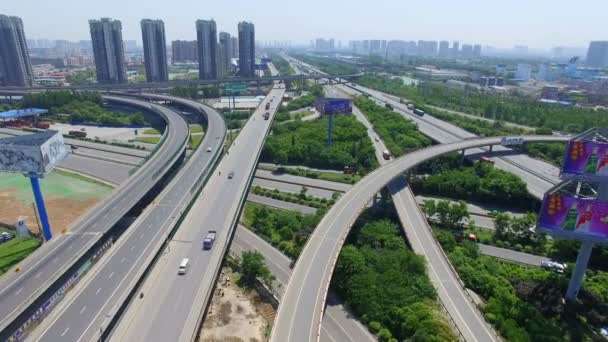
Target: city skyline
{"points": [[533, 24]]}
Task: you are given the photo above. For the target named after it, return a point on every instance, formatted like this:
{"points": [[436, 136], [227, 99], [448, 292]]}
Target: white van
{"points": [[183, 266]]}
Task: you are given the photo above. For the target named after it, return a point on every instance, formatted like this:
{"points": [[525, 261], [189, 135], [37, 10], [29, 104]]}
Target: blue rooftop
{"points": [[18, 113]]}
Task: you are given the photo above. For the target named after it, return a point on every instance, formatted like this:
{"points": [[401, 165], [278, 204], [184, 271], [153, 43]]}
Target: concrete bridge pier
{"points": [[462, 156]]}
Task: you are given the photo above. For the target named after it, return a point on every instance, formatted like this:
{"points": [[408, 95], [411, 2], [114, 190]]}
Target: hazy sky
{"points": [[504, 23]]}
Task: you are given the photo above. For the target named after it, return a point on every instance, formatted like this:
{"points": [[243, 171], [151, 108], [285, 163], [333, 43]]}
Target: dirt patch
{"points": [[62, 211], [235, 314]]}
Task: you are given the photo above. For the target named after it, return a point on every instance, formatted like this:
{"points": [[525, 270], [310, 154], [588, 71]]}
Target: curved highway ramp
{"points": [[301, 309], [21, 291], [89, 310]]}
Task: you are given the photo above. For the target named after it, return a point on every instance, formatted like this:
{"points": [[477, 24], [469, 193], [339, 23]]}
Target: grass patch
{"points": [[147, 140], [15, 250], [82, 178], [195, 140], [196, 128], [151, 131], [339, 177], [249, 213]]}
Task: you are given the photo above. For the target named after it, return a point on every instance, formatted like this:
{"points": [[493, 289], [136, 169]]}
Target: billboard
{"points": [[586, 158], [32, 153], [329, 106], [568, 216]]}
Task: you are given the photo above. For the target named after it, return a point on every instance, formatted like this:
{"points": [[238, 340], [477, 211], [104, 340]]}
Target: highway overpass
{"points": [[174, 305], [170, 84], [22, 290], [93, 307], [301, 310]]}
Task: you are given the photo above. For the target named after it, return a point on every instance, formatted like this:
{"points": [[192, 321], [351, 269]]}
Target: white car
{"points": [[208, 149], [555, 266]]}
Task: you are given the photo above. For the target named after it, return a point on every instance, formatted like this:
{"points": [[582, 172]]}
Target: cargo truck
{"points": [[209, 239], [267, 105], [266, 116], [418, 112], [388, 106]]}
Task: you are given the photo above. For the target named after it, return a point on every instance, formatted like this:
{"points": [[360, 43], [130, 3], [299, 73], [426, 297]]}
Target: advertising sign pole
{"points": [[44, 218], [329, 130]]}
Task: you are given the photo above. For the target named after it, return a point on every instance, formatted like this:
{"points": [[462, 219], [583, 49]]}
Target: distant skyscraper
{"points": [[15, 65], [155, 50], [455, 48], [467, 50], [597, 55], [184, 51], [246, 49], [226, 46], [106, 35], [523, 72], [477, 50], [206, 33], [235, 47], [444, 48]]}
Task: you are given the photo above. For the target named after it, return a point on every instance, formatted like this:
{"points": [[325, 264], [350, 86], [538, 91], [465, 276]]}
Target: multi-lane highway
{"points": [[301, 310], [86, 312], [18, 290], [172, 308]]}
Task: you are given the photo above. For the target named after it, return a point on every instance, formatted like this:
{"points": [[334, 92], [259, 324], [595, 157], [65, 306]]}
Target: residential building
{"points": [[15, 64], [455, 48], [206, 33], [108, 49], [155, 50], [467, 51], [523, 72], [246, 49], [444, 48], [235, 47], [184, 51], [477, 50], [225, 45], [597, 54]]}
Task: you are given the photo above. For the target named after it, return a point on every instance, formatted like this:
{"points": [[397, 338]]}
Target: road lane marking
{"points": [[65, 331], [123, 260], [38, 274], [132, 247], [19, 291], [83, 308], [111, 275], [98, 290]]}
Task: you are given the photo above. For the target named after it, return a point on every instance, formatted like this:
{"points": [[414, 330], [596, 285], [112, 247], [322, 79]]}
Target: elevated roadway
{"points": [[88, 312], [19, 290], [173, 306], [301, 310]]}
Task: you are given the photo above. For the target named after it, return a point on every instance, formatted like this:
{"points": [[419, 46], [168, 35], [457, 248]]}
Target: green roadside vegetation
{"points": [[15, 250], [151, 131], [299, 198], [195, 140], [81, 107], [147, 140], [347, 178], [237, 118], [282, 65], [196, 128], [305, 143], [81, 77], [386, 285], [525, 303], [481, 182], [253, 267], [327, 65], [399, 134], [285, 229], [195, 92], [514, 107]]}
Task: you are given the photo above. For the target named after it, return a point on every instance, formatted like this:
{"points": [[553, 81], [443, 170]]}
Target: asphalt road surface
{"points": [[301, 309], [338, 324], [271, 202], [49, 262], [89, 308], [172, 308]]}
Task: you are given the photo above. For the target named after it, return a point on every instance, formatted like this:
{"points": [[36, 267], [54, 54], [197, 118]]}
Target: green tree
{"points": [[252, 267]]}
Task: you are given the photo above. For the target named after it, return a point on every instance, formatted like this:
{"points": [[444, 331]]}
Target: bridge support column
{"points": [[491, 146], [579, 270], [462, 157], [42, 214]]}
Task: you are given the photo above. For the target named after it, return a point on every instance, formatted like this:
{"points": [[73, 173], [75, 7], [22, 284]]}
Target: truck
{"points": [[266, 116], [209, 239], [418, 112], [267, 105], [386, 155], [410, 106], [388, 106], [78, 134]]}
